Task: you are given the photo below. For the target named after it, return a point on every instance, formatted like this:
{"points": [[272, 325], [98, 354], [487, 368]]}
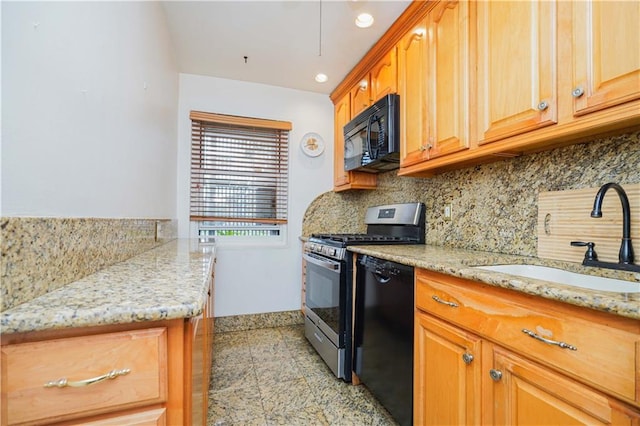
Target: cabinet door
{"points": [[447, 374], [448, 77], [342, 111], [384, 76], [606, 54], [525, 393], [412, 82], [198, 331], [516, 73], [360, 97]]}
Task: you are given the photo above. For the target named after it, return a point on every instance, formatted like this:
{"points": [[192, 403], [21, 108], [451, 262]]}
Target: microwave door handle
{"points": [[369, 121]]}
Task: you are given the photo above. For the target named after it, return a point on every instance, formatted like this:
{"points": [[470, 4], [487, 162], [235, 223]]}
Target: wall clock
{"points": [[312, 144]]}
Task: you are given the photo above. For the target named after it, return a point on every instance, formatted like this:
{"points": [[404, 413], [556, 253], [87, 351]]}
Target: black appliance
{"points": [[329, 282], [372, 138], [383, 334]]}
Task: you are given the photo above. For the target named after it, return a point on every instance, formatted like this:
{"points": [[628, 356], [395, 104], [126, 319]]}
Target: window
{"points": [[239, 175]]}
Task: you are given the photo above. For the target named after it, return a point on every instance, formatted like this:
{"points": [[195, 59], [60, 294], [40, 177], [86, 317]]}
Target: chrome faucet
{"points": [[625, 256], [626, 248]]}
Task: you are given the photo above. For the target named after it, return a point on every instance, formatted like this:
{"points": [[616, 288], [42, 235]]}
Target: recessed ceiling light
{"points": [[321, 78], [364, 20]]}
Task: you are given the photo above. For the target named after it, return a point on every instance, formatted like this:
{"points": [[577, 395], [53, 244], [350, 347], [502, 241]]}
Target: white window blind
{"points": [[239, 173]]}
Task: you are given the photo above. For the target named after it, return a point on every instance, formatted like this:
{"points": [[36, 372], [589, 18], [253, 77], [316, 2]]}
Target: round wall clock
{"points": [[312, 144]]}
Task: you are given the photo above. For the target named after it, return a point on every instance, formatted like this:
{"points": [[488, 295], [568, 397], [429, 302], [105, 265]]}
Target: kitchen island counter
{"points": [[167, 282], [460, 262]]}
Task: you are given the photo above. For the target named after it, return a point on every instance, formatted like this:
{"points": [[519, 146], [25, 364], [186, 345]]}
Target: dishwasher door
{"points": [[383, 334]]}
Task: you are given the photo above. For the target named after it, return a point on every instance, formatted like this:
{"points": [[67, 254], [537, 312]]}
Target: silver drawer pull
{"points": [[550, 342], [444, 302], [61, 383]]}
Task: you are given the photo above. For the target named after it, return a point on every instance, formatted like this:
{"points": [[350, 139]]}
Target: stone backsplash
{"points": [[494, 206], [40, 255]]}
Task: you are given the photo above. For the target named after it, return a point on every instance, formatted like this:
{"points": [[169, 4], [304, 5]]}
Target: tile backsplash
{"points": [[40, 255], [494, 206]]}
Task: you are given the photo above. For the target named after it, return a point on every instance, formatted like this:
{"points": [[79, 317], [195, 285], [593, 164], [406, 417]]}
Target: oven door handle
{"points": [[325, 263]]}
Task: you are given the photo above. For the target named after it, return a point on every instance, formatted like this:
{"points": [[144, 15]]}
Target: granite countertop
{"points": [[167, 282], [459, 262]]}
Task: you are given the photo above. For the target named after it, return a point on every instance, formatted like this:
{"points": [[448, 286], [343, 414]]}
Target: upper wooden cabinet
{"points": [[360, 96], [448, 67], [379, 81], [342, 114], [606, 56], [516, 70], [433, 65], [543, 75], [384, 76], [480, 81], [412, 83]]}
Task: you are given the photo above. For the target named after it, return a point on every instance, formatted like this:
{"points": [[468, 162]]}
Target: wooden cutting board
{"points": [[564, 216]]}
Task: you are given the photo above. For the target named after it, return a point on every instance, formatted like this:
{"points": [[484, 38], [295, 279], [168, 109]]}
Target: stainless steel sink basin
{"points": [[565, 277]]}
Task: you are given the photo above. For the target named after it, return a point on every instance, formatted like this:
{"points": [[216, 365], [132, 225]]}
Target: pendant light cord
{"points": [[320, 32]]}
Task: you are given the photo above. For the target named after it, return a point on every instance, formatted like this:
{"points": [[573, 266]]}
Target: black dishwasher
{"points": [[383, 333]]}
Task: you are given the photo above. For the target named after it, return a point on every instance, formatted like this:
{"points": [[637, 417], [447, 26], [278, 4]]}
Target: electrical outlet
{"points": [[447, 212]]}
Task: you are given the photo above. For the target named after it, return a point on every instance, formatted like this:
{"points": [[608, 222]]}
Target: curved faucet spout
{"points": [[626, 249]]}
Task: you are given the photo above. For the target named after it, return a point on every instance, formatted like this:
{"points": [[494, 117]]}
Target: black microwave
{"points": [[372, 138]]}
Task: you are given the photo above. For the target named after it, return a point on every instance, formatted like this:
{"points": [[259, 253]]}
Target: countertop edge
{"points": [[621, 304]]}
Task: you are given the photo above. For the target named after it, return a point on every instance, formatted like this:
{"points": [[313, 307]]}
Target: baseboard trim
{"points": [[254, 321]]}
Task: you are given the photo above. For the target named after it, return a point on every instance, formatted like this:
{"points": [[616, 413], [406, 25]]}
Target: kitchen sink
{"points": [[565, 277]]}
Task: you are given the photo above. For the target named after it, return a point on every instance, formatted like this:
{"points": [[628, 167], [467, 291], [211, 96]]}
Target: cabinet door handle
{"points": [[61, 383], [577, 92], [543, 105], [549, 342], [496, 375], [444, 302], [467, 358]]}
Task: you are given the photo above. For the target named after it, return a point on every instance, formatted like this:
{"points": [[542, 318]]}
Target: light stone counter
{"points": [[168, 282], [458, 262]]}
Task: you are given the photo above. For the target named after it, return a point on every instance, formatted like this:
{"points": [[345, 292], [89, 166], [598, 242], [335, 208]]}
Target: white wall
{"points": [[89, 101], [260, 279]]}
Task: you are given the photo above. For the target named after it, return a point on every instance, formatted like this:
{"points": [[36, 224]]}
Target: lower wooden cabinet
{"points": [[447, 373], [525, 393], [131, 374], [84, 375], [480, 358]]}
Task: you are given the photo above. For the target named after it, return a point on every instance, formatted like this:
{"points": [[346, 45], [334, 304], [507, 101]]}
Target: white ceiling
{"points": [[282, 40]]}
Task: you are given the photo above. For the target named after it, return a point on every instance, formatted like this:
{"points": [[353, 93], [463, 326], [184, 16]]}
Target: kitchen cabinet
{"points": [[545, 76], [412, 82], [360, 96], [149, 373], [434, 64], [447, 373], [199, 343], [537, 361], [604, 75], [384, 76], [343, 180], [381, 80], [517, 69], [62, 378]]}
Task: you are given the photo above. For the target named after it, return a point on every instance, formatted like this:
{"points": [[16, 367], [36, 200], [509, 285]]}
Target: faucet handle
{"points": [[590, 254]]}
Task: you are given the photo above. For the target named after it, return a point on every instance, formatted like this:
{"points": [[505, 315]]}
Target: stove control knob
{"points": [[331, 252]]}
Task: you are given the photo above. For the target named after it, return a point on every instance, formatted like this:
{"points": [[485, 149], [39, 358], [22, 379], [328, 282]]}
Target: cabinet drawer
{"points": [[28, 367], [601, 355], [150, 417]]}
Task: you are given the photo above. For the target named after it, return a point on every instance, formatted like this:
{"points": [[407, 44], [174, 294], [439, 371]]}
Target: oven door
{"points": [[325, 287]]}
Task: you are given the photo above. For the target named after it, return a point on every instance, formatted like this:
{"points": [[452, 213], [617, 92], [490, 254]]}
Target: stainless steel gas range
{"points": [[329, 280]]}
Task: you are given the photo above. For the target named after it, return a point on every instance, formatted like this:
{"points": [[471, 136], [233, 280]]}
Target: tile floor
{"points": [[272, 376]]}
